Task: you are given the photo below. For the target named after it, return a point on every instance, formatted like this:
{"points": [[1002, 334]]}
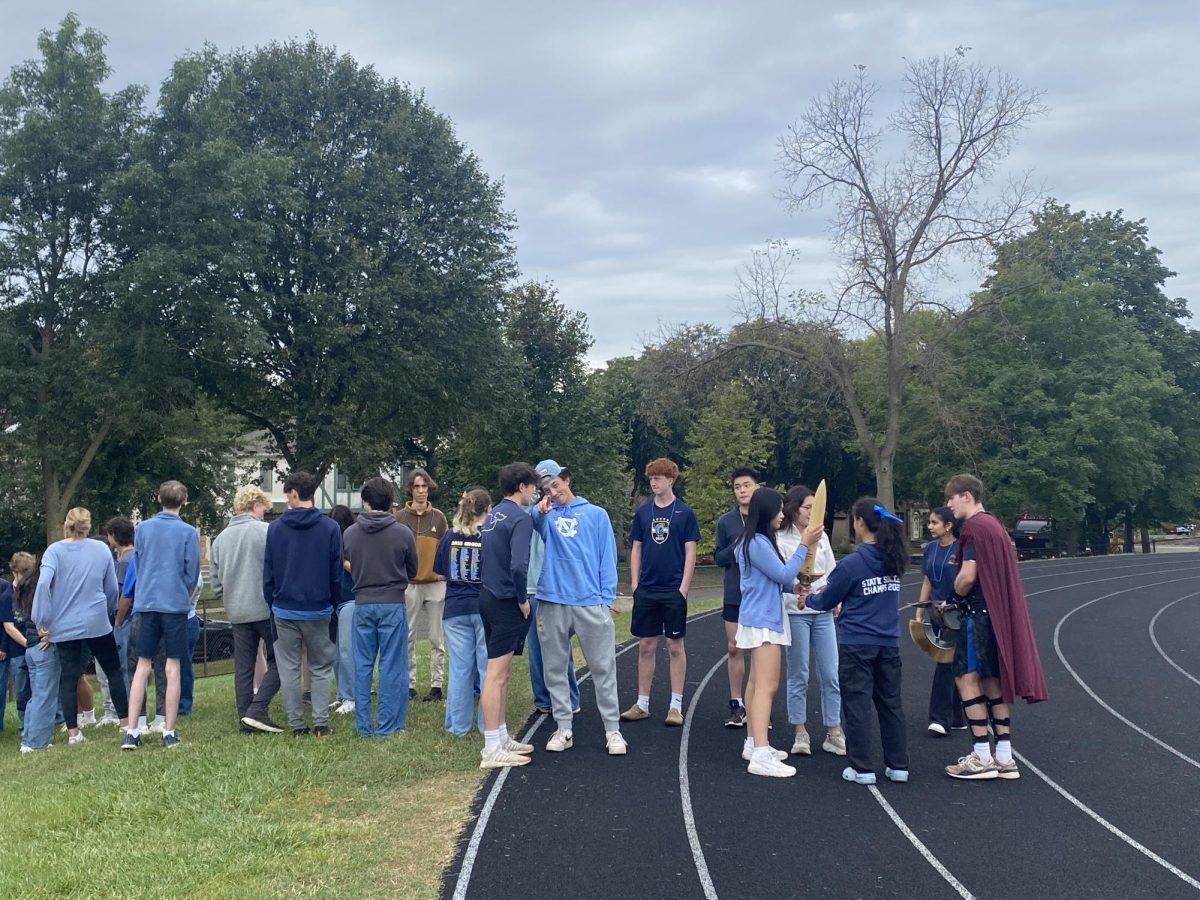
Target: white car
{"points": [[1184, 529]]}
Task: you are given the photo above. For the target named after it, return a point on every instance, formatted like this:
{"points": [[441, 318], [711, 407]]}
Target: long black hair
{"points": [[946, 514], [765, 505], [889, 536]]}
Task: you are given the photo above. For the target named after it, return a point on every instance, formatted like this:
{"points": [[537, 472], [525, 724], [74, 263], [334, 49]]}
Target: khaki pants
{"points": [[426, 603]]}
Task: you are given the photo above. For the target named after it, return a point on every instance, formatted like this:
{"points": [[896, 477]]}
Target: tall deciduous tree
{"points": [[897, 217]]}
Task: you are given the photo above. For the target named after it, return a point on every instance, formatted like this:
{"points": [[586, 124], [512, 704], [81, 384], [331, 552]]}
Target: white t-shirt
{"points": [[788, 540]]}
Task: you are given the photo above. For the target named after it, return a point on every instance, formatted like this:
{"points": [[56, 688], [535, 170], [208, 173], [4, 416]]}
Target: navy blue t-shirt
{"points": [[457, 560], [663, 532], [939, 567], [7, 644]]}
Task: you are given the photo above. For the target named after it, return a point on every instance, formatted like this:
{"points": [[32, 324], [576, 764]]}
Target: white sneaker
{"points": [[502, 759], [748, 747], [108, 719], [615, 742], [560, 741], [936, 728], [515, 746], [25, 748], [346, 708], [88, 717], [76, 738], [159, 725], [771, 768], [802, 745]]}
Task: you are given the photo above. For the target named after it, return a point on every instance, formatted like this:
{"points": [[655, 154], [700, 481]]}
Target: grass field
{"points": [[252, 815]]}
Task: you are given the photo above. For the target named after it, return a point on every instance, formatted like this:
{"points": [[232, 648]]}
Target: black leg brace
{"points": [[980, 724], [997, 724]]}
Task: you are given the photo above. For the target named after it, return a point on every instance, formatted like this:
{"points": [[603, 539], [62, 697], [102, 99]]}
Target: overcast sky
{"points": [[637, 142]]}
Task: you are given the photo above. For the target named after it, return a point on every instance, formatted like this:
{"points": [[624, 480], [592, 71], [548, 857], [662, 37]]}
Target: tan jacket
{"points": [[428, 528]]}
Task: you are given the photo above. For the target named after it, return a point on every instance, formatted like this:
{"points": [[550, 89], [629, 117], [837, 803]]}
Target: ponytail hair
{"points": [[474, 503], [889, 534], [946, 514]]}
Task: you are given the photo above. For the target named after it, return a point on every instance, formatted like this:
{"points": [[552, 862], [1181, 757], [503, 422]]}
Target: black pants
{"points": [[246, 636], [159, 664], [72, 656], [945, 705], [868, 673]]}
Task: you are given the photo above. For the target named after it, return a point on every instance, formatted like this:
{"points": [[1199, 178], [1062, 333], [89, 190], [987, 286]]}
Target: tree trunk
{"points": [[1145, 539], [1128, 531], [885, 485]]}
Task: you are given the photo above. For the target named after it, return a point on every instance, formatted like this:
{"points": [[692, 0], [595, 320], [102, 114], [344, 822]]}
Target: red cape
{"points": [[996, 569]]}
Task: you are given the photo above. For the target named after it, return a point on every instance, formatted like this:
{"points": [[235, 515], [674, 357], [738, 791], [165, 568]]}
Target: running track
{"points": [[1108, 804]]}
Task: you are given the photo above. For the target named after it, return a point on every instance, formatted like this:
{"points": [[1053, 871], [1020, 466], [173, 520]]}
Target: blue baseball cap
{"points": [[547, 469]]}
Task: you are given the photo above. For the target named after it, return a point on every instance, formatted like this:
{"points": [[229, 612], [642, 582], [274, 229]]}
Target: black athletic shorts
{"points": [[658, 612], [975, 650], [504, 627], [170, 628], [729, 612]]}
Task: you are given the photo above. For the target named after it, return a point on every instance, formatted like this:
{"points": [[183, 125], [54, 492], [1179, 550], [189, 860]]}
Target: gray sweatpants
{"points": [[321, 653], [594, 626]]}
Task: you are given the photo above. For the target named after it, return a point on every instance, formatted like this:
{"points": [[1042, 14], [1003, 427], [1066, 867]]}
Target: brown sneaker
{"points": [[674, 717], [1008, 771], [634, 714], [972, 768]]}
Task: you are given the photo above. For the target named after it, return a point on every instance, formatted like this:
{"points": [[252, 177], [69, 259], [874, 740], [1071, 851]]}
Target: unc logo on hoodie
{"points": [[567, 527]]}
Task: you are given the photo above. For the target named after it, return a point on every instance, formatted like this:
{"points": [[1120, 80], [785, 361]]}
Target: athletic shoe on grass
{"points": [[77, 738], [634, 714], [108, 719], [88, 717], [131, 742], [851, 774], [737, 715], [835, 744], [502, 759], [560, 741], [159, 725], [674, 717], [1008, 771], [515, 746], [972, 768], [322, 731], [303, 731], [771, 768], [802, 745], [170, 739], [434, 695], [263, 724], [615, 742], [900, 776]]}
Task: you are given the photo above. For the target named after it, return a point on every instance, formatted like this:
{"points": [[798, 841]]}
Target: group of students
{"points": [[317, 592]]}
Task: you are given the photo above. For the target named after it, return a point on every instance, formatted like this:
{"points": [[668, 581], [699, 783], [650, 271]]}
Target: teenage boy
{"points": [[996, 657], [118, 532], [504, 608], [575, 595], [382, 556], [663, 537], [167, 562], [425, 598], [235, 569], [302, 584], [537, 679], [744, 483]]}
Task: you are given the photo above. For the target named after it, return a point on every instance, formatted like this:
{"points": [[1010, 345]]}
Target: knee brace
{"points": [[973, 722], [997, 723]]}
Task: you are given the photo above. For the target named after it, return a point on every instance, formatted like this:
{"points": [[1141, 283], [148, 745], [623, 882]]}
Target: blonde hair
{"points": [[78, 523], [246, 497], [472, 505], [23, 564]]}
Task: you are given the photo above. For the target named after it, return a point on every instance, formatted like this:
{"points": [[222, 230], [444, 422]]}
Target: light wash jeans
{"points": [[468, 659], [815, 634], [537, 677], [344, 667], [44, 675], [381, 630]]}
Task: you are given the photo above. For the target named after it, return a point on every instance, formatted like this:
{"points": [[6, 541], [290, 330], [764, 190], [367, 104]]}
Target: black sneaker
{"points": [[301, 732], [246, 729], [434, 695], [322, 731], [412, 693], [261, 724], [737, 715], [131, 742], [170, 740]]}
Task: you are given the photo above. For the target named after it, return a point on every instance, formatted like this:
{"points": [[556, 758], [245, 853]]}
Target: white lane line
{"points": [[921, 848], [1157, 646], [472, 851], [1100, 820], [1083, 684], [685, 789]]}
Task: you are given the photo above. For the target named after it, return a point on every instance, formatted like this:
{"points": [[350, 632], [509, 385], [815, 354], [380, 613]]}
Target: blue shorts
{"points": [[170, 628]]}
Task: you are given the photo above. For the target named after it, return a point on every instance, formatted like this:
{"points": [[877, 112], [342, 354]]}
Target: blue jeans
{"points": [[533, 649], [344, 666], [187, 675], [20, 670], [44, 675], [381, 629], [468, 661], [819, 633], [121, 636]]}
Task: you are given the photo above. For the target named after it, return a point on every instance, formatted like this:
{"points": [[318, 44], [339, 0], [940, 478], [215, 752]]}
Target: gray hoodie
{"points": [[383, 557], [235, 566]]}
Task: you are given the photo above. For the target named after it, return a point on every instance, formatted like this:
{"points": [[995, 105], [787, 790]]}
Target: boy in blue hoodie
{"points": [[302, 583], [575, 593]]}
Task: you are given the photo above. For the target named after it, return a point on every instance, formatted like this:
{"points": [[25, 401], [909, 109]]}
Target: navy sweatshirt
{"points": [[729, 529], [302, 566], [870, 599], [504, 553]]}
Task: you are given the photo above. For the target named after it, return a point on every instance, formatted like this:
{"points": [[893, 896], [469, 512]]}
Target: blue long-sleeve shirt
{"points": [[167, 555], [763, 579], [76, 583], [580, 566], [870, 599], [504, 551]]}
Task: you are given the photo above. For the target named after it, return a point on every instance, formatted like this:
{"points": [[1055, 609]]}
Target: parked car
{"points": [[216, 641], [1034, 538], [1187, 528]]}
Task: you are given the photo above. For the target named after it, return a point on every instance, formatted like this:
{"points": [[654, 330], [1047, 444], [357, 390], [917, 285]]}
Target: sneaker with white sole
{"points": [[748, 746], [937, 728], [76, 738], [560, 741], [88, 717], [802, 745], [770, 768], [1008, 771], [501, 758], [346, 708], [972, 768], [615, 742], [737, 715], [159, 725], [852, 774], [835, 743], [900, 776], [106, 720], [515, 746]]}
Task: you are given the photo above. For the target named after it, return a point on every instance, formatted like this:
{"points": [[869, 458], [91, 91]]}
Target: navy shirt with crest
{"points": [[663, 531]]}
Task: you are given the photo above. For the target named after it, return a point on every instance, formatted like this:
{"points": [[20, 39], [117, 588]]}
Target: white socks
{"points": [[503, 734], [491, 741], [677, 702], [1003, 751], [644, 702], [984, 751]]}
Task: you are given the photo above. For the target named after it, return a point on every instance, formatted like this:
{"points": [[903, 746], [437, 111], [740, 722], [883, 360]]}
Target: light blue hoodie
{"points": [[77, 581], [580, 566], [167, 555]]}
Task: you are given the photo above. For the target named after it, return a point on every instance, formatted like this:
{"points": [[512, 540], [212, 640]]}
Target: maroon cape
{"points": [[996, 569]]}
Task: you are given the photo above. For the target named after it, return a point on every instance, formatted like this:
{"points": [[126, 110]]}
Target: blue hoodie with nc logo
{"points": [[580, 565], [302, 565]]}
